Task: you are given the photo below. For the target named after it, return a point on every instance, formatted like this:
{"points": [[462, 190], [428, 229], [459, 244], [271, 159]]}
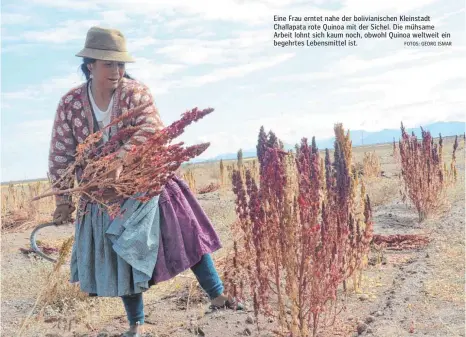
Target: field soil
{"points": [[405, 291]]}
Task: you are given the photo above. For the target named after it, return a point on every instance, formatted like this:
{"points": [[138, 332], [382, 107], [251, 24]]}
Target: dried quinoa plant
{"points": [[48, 292], [188, 176], [152, 163], [371, 165]]}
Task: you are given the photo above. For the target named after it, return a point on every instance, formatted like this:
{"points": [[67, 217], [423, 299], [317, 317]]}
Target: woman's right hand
{"points": [[62, 214]]}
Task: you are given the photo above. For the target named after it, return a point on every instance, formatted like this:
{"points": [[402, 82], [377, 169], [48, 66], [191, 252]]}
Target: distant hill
{"points": [[361, 137]]}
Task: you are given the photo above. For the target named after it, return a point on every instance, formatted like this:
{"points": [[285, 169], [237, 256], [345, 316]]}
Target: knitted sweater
{"points": [[74, 122]]}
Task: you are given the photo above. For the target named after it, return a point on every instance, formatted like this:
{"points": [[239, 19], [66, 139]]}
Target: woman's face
{"points": [[107, 73]]}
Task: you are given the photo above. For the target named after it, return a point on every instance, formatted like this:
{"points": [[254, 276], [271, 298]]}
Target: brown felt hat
{"points": [[105, 44]]}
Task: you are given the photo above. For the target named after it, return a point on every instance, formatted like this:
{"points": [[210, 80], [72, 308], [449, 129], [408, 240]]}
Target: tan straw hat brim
{"points": [[105, 55]]}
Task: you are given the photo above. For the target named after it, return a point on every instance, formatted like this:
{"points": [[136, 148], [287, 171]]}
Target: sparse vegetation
{"points": [[18, 213], [188, 176], [50, 292], [371, 165], [222, 174]]}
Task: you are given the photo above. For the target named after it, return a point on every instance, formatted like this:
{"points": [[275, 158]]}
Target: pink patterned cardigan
{"points": [[74, 122]]}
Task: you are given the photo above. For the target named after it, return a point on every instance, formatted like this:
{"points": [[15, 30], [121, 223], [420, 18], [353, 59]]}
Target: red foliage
{"points": [[298, 240], [152, 163], [401, 241], [212, 187], [422, 170]]}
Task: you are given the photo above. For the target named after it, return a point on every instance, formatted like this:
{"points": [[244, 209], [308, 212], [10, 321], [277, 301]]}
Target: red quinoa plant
{"points": [[423, 172], [297, 238], [154, 161]]}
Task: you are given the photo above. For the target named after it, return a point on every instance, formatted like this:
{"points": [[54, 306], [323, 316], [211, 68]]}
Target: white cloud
{"points": [[14, 18], [85, 5], [177, 23], [249, 12], [38, 127], [54, 88], [68, 31], [190, 51], [289, 126], [114, 18], [142, 43], [235, 71], [26, 134], [242, 45], [156, 76], [17, 48], [252, 13], [159, 76], [8, 98], [226, 10], [76, 30], [425, 75], [353, 64], [221, 142], [411, 94], [33, 135], [154, 70], [356, 63], [442, 20], [377, 93]]}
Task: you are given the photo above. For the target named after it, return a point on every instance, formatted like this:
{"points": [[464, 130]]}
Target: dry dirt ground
{"points": [[412, 292]]}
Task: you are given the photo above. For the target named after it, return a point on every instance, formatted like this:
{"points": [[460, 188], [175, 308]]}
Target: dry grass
{"points": [[382, 191], [223, 176], [188, 176], [448, 282], [65, 306], [216, 175], [18, 212], [55, 300], [371, 165], [51, 289]]}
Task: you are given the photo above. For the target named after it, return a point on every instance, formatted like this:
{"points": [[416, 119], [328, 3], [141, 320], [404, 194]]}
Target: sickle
{"points": [[33, 242]]}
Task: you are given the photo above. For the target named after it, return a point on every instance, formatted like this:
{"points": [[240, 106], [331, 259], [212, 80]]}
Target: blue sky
{"points": [[220, 54]]}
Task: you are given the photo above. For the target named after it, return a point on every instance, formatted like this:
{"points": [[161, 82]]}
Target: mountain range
{"points": [[361, 137]]}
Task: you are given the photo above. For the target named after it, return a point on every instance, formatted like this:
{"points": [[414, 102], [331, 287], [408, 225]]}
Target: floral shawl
{"points": [[74, 122]]}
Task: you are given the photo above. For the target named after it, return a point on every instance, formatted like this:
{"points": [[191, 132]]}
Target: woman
{"points": [[154, 241]]}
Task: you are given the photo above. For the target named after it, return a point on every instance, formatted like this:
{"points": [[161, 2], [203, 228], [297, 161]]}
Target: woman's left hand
{"points": [[124, 159], [116, 172]]}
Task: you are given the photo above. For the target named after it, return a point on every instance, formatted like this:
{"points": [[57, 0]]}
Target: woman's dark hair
{"points": [[87, 73]]}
